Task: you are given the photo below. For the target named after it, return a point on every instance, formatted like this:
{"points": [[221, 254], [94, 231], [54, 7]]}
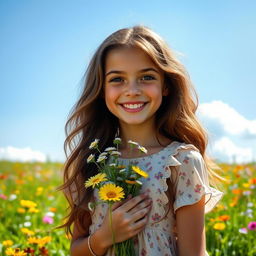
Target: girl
{"points": [[136, 88]]}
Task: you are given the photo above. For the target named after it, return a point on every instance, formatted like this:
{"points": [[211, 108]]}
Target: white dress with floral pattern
{"points": [[190, 184]]}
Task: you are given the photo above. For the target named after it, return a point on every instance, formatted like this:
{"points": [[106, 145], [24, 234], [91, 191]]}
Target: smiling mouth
{"points": [[133, 107]]}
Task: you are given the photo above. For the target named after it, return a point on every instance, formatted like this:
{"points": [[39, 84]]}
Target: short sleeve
{"points": [[192, 182]]}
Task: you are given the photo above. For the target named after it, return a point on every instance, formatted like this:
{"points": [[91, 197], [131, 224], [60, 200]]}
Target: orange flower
{"points": [[252, 181], [234, 201], [237, 191], [224, 217], [19, 182], [52, 209]]}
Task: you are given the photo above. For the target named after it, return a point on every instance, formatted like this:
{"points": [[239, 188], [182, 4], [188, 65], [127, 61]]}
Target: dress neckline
{"points": [[150, 155]]}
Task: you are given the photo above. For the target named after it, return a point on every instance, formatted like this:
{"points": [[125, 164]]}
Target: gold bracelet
{"points": [[89, 246]]}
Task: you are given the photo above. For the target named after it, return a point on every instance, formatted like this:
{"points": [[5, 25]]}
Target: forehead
{"points": [[124, 58]]}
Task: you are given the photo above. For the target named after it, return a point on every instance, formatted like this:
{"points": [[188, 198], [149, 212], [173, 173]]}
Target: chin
{"points": [[134, 122]]}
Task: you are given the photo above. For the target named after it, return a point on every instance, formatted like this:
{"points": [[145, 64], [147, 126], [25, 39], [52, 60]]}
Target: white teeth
{"points": [[133, 106]]}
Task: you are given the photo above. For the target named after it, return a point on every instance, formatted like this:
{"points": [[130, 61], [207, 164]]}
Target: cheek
{"points": [[111, 96], [156, 93]]}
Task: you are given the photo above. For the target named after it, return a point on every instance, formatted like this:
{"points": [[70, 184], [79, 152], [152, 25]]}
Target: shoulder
{"points": [[185, 153]]}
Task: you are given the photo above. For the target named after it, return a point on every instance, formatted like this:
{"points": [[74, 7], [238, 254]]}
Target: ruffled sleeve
{"points": [[192, 182]]}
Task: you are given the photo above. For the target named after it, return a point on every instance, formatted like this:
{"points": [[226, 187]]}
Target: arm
{"points": [[79, 246], [190, 229], [79, 242]]}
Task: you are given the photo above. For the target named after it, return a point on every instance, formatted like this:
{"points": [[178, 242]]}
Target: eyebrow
{"points": [[141, 71]]}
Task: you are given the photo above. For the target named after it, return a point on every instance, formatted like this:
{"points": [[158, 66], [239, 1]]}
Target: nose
{"points": [[132, 89]]}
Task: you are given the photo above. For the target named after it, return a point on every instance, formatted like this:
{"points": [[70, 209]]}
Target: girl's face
{"points": [[133, 86]]}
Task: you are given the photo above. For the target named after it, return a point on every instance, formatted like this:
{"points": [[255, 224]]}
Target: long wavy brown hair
{"points": [[90, 118]]}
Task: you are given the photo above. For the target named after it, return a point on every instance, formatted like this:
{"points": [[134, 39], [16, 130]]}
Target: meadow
{"points": [[31, 208]]}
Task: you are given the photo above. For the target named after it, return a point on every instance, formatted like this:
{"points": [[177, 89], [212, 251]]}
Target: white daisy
{"points": [[133, 143], [142, 149], [94, 144], [101, 158], [115, 153], [110, 149], [90, 158], [117, 141]]}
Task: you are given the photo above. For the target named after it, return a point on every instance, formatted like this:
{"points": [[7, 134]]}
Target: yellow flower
{"points": [[33, 210], [10, 251], [246, 185], [21, 210], [15, 252], [111, 192], [20, 253], [39, 191], [27, 231], [219, 226], [32, 240], [95, 180], [42, 241], [7, 243], [28, 204], [139, 171], [30, 178]]}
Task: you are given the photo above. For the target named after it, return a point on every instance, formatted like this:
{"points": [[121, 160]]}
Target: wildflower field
{"points": [[30, 208]]}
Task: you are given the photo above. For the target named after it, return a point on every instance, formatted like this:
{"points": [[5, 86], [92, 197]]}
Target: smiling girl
{"points": [[136, 88]]}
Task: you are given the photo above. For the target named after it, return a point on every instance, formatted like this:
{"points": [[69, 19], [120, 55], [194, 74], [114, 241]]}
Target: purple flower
{"points": [[47, 219], [252, 225]]}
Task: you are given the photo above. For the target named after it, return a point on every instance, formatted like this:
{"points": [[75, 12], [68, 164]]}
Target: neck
{"points": [[146, 136]]}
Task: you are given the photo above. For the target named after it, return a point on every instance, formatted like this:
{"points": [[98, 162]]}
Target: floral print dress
{"points": [[184, 165]]}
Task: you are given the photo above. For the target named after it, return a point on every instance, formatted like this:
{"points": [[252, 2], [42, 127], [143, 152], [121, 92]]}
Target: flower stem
{"points": [[111, 226]]}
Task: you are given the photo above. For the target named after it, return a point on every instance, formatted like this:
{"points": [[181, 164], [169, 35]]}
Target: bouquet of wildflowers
{"points": [[115, 182]]}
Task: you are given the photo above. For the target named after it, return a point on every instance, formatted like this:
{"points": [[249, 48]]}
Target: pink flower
{"points": [[3, 196], [47, 219], [252, 225]]}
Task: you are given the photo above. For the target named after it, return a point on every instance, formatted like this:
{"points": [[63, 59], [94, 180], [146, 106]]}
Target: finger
{"points": [[140, 214], [141, 205], [140, 225], [118, 204], [134, 201]]}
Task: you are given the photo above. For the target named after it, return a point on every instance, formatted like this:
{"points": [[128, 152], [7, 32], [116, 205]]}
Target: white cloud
{"points": [[225, 150], [232, 136], [21, 154], [228, 118]]}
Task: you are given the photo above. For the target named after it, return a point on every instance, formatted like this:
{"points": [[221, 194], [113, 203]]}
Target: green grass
{"points": [[37, 182]]}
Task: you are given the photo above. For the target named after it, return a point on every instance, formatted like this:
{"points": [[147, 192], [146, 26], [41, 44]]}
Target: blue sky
{"points": [[46, 46]]}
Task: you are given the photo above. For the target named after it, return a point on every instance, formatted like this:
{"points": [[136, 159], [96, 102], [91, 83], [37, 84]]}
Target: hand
{"points": [[128, 218]]}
